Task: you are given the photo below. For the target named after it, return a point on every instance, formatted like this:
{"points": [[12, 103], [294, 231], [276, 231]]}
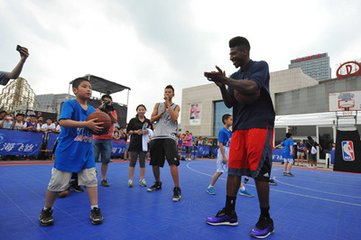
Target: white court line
{"points": [[291, 193], [314, 190]]}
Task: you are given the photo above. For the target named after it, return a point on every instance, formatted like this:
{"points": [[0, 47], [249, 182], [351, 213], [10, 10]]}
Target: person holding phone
{"points": [[6, 76]]}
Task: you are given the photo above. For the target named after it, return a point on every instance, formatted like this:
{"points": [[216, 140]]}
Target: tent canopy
{"points": [[102, 85]]}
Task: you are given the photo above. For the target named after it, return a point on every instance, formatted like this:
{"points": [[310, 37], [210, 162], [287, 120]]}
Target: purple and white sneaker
{"points": [[222, 218], [263, 228]]}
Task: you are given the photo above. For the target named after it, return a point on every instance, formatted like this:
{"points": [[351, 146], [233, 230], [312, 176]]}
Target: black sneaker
{"points": [[96, 216], [222, 218], [157, 186], [263, 228], [46, 217], [177, 194], [272, 182], [104, 183], [245, 180], [76, 188]]}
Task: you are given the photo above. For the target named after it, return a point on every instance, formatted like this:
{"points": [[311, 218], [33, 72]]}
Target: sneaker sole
{"points": [[176, 199], [210, 193], [245, 195], [150, 190], [223, 224], [96, 222], [262, 237], [47, 223]]}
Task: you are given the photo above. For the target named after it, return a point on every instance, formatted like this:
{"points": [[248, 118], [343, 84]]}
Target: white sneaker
{"points": [[130, 183], [142, 183]]}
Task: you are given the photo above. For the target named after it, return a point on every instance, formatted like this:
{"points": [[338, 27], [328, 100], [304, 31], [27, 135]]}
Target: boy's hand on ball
{"points": [[94, 125]]}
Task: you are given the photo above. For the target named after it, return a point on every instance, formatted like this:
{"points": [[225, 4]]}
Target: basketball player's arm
{"points": [[155, 116], [174, 114], [221, 149], [291, 150], [24, 54], [246, 86], [227, 99]]}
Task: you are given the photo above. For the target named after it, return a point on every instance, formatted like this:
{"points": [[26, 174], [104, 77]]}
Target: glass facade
{"points": [[316, 66], [219, 110]]}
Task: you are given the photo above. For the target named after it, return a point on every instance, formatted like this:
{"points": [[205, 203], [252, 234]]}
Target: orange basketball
{"points": [[103, 118], [63, 194]]}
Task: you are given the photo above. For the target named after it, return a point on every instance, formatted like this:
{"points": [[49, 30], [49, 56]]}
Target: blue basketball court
{"points": [[314, 204]]}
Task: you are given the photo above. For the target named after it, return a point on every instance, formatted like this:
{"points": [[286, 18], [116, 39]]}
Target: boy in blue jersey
{"points": [[224, 140], [287, 154], [74, 152]]}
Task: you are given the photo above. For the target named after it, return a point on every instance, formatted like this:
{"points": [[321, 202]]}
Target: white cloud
{"points": [[148, 44]]}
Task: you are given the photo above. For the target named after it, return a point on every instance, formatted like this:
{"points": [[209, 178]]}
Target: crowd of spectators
{"points": [[32, 123]]}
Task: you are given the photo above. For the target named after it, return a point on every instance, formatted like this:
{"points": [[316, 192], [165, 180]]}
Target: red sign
{"points": [[348, 69]]}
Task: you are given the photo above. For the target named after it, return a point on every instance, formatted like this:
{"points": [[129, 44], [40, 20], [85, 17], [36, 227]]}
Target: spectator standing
{"points": [[14, 74], [39, 124], [48, 126], [300, 153], [19, 122], [312, 152], [163, 145], [103, 143], [188, 145], [137, 128], [31, 124], [7, 122]]}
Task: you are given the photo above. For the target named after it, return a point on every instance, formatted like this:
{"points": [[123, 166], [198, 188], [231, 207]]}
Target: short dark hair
{"points": [[240, 42], [169, 87], [106, 96], [76, 82], [288, 135], [225, 117]]}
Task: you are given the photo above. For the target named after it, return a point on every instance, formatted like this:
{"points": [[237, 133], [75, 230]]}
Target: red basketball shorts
{"points": [[251, 153]]}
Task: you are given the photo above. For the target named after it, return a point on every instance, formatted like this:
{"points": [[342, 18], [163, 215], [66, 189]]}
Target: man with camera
{"points": [[6, 76], [103, 143]]}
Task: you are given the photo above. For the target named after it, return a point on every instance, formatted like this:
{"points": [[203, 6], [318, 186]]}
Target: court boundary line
{"points": [[282, 191]]}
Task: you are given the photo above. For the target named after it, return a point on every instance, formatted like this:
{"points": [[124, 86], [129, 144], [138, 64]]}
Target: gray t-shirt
{"points": [[3, 78], [165, 126]]}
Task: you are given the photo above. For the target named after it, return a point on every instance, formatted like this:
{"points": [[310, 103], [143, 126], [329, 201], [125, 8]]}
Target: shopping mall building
{"points": [[303, 106]]}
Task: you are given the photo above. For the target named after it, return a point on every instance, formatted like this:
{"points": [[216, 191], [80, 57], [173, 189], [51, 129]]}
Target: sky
{"points": [[148, 44]]}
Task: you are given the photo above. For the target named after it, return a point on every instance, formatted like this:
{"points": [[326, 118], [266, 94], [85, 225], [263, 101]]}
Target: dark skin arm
{"points": [[24, 54], [244, 87]]}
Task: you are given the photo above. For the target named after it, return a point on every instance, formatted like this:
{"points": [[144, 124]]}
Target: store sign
{"points": [[348, 69]]}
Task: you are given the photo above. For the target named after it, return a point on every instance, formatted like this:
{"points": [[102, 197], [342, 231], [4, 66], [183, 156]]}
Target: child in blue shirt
{"points": [[224, 140], [287, 154], [74, 152]]}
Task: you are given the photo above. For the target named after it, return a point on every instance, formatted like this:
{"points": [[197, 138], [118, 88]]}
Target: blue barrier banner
{"points": [[277, 155], [51, 142], [118, 148], [13, 142]]}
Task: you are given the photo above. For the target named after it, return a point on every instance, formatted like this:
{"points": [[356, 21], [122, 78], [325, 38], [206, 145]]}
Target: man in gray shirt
{"points": [[6, 76], [163, 145]]}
